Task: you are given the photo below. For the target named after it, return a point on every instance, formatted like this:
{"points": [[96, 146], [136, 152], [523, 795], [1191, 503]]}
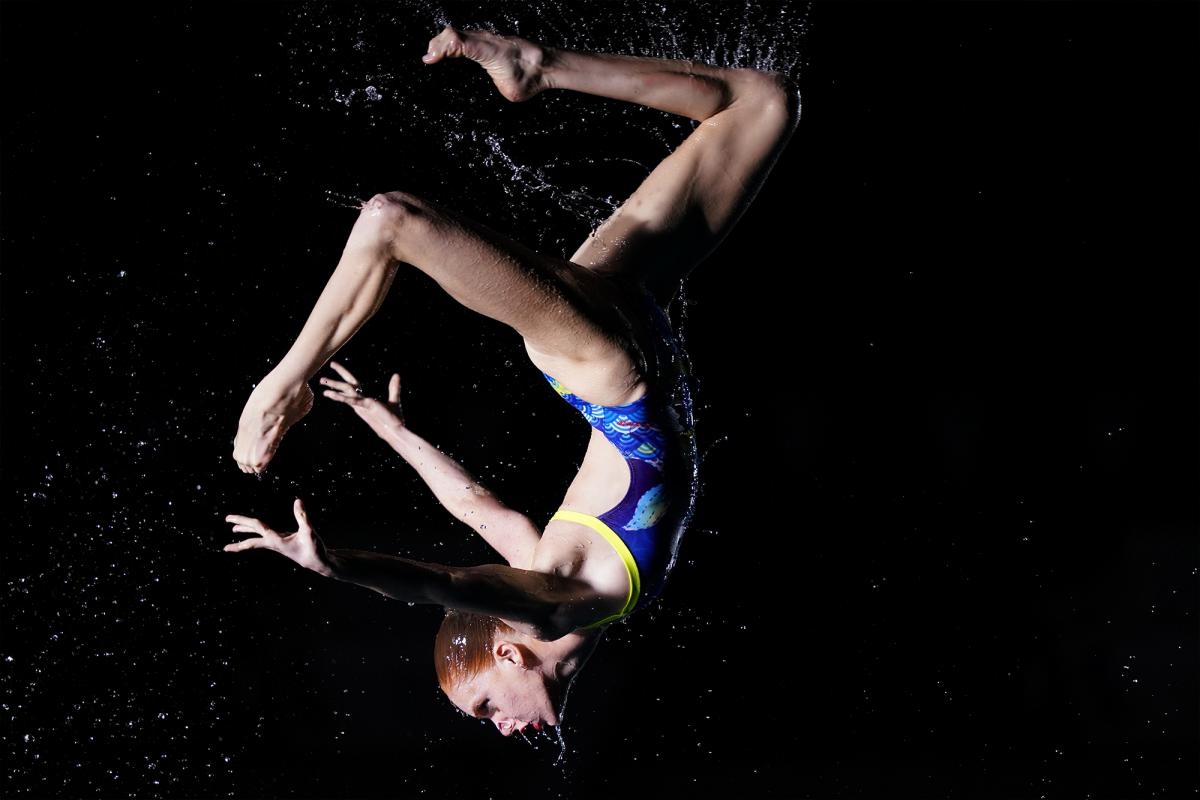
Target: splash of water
{"points": [[343, 200], [348, 63], [543, 735]]}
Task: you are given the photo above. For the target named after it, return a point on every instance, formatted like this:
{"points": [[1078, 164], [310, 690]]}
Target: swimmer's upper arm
{"points": [[510, 533], [544, 605]]}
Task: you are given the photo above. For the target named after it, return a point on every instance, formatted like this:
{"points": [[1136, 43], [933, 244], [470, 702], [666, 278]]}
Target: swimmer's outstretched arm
{"points": [[543, 605], [510, 533]]}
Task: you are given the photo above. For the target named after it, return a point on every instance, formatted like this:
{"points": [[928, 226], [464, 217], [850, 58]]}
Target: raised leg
{"points": [[691, 200], [556, 306], [564, 310]]}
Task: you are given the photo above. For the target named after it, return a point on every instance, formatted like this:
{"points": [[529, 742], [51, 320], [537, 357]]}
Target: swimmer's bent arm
{"points": [[544, 605], [510, 533]]}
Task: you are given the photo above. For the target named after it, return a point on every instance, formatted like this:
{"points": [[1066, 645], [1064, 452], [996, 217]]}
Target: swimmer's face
{"points": [[512, 697]]}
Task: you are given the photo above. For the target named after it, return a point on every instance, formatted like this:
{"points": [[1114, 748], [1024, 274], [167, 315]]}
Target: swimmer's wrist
{"points": [[329, 567]]}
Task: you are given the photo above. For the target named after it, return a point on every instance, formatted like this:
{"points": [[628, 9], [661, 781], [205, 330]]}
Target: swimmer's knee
{"points": [[393, 214], [775, 94], [393, 208]]}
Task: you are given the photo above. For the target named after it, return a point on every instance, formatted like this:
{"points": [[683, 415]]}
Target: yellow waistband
{"points": [[607, 533]]}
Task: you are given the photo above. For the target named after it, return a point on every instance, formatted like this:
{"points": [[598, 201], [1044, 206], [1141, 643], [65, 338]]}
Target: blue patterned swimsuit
{"points": [[653, 435]]}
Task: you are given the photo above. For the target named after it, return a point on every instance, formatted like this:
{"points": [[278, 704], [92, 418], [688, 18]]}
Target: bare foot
{"points": [[514, 64], [266, 417]]}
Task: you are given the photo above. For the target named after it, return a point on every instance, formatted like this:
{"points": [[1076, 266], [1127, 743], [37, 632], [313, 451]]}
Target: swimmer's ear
{"points": [[505, 651]]}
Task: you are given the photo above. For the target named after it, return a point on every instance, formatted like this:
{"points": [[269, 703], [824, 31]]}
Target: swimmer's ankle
{"points": [[551, 66]]}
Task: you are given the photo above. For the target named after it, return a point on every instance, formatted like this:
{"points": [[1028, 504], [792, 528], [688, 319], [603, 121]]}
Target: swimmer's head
{"points": [[489, 671]]}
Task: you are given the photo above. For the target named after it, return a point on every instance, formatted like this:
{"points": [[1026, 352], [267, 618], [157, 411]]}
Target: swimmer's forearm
{"points": [[517, 595], [688, 88], [508, 532], [392, 576], [455, 488]]}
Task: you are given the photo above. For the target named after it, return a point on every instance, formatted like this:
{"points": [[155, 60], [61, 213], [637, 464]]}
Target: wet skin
{"points": [[511, 697]]}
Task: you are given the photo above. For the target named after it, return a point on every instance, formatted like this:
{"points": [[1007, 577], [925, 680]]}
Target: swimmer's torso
{"points": [[621, 519]]}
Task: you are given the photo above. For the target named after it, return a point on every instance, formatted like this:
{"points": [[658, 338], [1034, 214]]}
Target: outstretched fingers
{"points": [[350, 398], [248, 524], [349, 391], [246, 544], [346, 390], [265, 536], [346, 374]]}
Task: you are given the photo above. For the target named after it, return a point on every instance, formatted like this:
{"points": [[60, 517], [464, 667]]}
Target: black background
{"points": [[946, 543]]}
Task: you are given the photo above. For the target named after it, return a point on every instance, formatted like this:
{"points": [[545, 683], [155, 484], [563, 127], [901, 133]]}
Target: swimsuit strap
{"points": [[607, 533]]}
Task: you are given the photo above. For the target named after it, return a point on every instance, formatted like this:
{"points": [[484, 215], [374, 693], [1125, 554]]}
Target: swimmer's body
{"points": [[515, 634]]}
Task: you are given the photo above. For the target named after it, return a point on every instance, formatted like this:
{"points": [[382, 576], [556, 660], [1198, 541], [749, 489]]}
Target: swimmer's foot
{"points": [[267, 416], [514, 64]]}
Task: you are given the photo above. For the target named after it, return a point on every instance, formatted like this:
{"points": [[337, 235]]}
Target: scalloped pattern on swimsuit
{"points": [[633, 429]]}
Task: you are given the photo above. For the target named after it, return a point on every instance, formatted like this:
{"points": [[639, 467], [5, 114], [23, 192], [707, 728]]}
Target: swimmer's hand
{"points": [[385, 418], [515, 65], [304, 546], [266, 417]]}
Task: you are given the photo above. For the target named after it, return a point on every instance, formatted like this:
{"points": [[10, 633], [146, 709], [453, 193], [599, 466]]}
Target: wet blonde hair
{"points": [[463, 646]]}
